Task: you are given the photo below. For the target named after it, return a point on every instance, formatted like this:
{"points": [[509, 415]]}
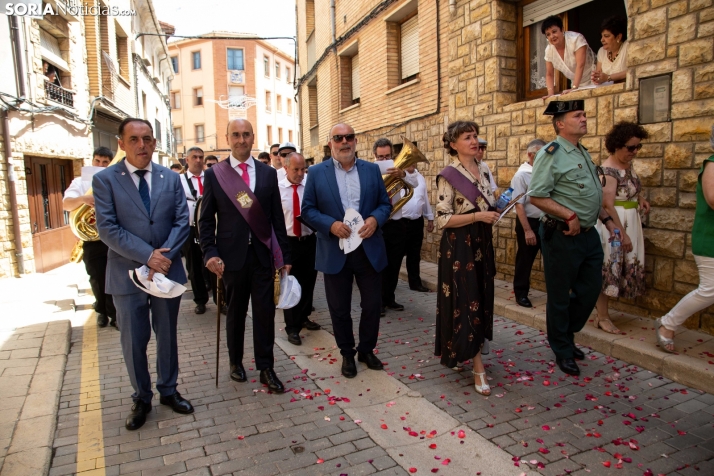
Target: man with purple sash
{"points": [[243, 237]]}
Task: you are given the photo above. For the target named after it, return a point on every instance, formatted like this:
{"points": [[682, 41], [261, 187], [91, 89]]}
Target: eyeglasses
{"points": [[383, 157], [341, 137], [284, 154], [209, 165], [275, 153], [482, 148], [633, 148]]}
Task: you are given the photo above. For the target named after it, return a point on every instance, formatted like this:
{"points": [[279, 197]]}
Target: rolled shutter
{"points": [[542, 9], [355, 77], [410, 47]]}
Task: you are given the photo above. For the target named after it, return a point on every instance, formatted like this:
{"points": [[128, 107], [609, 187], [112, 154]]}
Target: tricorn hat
{"points": [[560, 107]]}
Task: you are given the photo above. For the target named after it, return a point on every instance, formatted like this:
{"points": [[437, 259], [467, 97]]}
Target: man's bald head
{"points": [[343, 143], [294, 164], [239, 134]]}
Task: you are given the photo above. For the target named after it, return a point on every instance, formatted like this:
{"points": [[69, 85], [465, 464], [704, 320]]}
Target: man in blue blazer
{"points": [[142, 216], [333, 186]]}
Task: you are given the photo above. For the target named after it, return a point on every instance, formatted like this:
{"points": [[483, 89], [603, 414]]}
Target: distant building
{"points": [[217, 79], [68, 82]]}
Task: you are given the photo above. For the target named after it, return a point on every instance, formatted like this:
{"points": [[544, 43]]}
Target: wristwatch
{"points": [[606, 219]]}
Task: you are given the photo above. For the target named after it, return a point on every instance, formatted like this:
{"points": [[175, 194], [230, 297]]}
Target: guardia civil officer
{"points": [[565, 186]]}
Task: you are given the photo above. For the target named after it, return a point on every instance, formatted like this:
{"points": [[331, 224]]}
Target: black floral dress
{"points": [[464, 306]]}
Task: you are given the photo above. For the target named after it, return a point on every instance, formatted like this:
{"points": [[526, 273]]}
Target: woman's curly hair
{"points": [[621, 133], [454, 131]]}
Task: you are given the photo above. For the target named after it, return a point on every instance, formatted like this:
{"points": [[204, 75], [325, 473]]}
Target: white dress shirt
{"points": [[190, 201], [419, 204], [77, 188], [135, 177], [251, 169], [282, 173], [286, 197]]}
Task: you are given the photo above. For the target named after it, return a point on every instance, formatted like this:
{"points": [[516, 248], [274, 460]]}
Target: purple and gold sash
{"points": [[249, 207], [467, 188]]}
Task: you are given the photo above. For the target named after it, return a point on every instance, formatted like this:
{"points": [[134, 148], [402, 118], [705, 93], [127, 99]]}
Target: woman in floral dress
{"points": [[623, 198], [464, 211]]}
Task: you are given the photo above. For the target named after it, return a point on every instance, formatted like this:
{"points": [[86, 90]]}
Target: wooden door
{"points": [[52, 238]]}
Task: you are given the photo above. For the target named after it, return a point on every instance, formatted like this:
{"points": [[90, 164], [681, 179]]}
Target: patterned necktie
{"points": [[144, 189], [246, 177], [297, 226], [200, 185]]}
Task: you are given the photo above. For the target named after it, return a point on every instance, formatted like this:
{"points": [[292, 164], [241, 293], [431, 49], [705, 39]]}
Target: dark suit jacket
{"points": [[229, 240], [130, 232], [322, 206]]}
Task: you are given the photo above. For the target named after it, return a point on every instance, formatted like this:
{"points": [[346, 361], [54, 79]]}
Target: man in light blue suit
{"points": [[142, 216], [333, 186]]}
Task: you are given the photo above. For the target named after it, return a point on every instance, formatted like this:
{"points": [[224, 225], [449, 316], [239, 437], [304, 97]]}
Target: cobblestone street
{"points": [[614, 419]]}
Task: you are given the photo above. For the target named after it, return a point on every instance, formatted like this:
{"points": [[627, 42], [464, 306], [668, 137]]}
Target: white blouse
{"points": [[612, 67], [567, 64]]}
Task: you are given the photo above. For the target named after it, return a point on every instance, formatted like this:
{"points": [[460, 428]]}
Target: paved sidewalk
{"points": [[537, 421], [34, 343], [692, 365]]}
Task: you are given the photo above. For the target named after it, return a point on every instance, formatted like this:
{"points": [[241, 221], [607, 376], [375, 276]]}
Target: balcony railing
{"points": [[59, 94]]}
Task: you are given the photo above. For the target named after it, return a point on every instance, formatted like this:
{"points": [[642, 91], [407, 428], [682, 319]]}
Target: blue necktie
{"points": [[144, 190]]}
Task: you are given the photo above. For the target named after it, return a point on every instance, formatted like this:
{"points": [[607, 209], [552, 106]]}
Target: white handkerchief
{"points": [[161, 286], [355, 221]]}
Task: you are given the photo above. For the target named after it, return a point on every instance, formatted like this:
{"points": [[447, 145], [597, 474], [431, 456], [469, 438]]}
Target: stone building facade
{"points": [[481, 73], [70, 79]]}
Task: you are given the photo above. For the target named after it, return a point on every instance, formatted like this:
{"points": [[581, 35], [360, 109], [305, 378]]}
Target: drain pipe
{"points": [[452, 7], [11, 179], [332, 19]]}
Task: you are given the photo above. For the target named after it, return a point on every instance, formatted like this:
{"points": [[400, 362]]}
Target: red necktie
{"points": [[200, 186], [246, 177], [297, 226]]}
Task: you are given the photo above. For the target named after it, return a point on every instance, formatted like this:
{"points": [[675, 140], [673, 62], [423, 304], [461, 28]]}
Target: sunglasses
{"points": [[209, 165], [482, 147], [340, 137], [633, 148], [284, 154]]}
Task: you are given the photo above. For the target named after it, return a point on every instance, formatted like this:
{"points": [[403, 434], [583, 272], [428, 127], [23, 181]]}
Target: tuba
{"points": [[83, 223], [408, 156]]}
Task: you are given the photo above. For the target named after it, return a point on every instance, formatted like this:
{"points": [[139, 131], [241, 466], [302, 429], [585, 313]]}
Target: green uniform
{"points": [[572, 264], [703, 229]]}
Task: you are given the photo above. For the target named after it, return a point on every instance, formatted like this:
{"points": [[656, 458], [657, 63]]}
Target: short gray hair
{"points": [[382, 142], [535, 145], [286, 159]]}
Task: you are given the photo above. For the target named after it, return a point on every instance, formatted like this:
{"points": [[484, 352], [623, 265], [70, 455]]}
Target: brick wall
{"points": [[479, 67]]}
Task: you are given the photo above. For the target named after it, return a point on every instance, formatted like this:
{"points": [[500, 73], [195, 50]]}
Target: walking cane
{"points": [[219, 303]]}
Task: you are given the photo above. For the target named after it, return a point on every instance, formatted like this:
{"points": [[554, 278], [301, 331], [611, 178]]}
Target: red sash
{"points": [[233, 184], [467, 188]]}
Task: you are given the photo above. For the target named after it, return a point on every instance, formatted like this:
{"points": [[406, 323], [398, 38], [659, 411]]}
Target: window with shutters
{"points": [[268, 101], [175, 64], [200, 133], [198, 97], [236, 95], [122, 48], [196, 59], [288, 77], [290, 107], [280, 135], [290, 136], [279, 103], [312, 112], [178, 135], [277, 70], [175, 99], [409, 49], [269, 134], [266, 66], [582, 16], [349, 76]]}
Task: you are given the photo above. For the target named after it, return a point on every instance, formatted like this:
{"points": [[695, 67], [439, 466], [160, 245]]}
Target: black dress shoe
{"points": [[238, 373], [394, 306], [224, 310], [349, 368], [311, 325], [102, 320], [200, 309], [421, 288], [524, 301], [113, 322], [137, 417], [578, 354], [382, 312], [177, 403], [568, 366], [269, 378], [294, 338], [371, 360]]}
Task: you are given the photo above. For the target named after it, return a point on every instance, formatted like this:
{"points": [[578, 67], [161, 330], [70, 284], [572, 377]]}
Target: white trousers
{"points": [[695, 301]]}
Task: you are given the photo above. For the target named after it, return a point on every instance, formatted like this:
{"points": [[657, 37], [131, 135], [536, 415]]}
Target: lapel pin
{"points": [[162, 176], [123, 173]]}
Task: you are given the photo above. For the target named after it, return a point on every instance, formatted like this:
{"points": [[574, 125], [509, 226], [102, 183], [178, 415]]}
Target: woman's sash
{"points": [[466, 187], [249, 207]]}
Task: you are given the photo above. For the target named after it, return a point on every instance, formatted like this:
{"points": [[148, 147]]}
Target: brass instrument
{"points": [[83, 222], [408, 156]]}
